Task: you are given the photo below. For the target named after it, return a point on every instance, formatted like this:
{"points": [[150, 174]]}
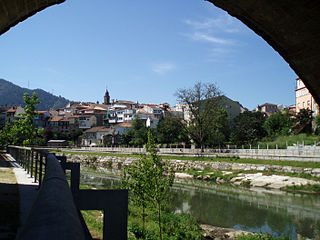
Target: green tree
{"points": [[303, 121], [149, 180], [30, 132], [137, 135], [22, 131], [317, 124], [248, 128], [162, 179], [171, 130], [136, 178], [278, 124], [219, 130], [202, 102]]}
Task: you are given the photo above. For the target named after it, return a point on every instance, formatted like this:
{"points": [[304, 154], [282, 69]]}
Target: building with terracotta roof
{"points": [[58, 124], [14, 113], [304, 99], [121, 128], [42, 119], [267, 108], [95, 135], [87, 121]]}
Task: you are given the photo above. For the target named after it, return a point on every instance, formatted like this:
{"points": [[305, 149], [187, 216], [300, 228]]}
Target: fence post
{"points": [[40, 170], [28, 161], [36, 167], [32, 157]]}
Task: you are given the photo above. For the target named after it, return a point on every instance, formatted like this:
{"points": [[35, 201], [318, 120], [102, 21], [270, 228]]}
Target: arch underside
{"points": [[291, 27]]}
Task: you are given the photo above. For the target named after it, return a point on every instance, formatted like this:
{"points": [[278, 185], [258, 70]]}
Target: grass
{"points": [[94, 221], [259, 237], [175, 226], [9, 201], [209, 159], [212, 174], [305, 188], [282, 141]]}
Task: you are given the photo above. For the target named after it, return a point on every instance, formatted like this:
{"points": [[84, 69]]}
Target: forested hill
{"points": [[12, 95]]}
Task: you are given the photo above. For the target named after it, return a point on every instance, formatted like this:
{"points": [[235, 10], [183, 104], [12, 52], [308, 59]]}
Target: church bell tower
{"points": [[106, 98]]}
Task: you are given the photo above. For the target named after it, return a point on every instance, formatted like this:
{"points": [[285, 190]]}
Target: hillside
{"points": [[11, 94]]}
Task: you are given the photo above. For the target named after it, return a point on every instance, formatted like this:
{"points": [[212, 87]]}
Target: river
{"points": [[254, 210]]}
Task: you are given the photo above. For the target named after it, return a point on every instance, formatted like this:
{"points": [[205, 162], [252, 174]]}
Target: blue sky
{"points": [[143, 50]]}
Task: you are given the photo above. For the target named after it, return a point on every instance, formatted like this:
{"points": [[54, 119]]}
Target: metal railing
{"points": [[55, 213], [32, 160], [294, 154]]}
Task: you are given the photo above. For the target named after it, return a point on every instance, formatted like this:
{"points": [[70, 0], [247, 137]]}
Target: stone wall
{"points": [[116, 162]]}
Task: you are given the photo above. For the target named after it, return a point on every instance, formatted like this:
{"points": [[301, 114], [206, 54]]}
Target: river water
{"points": [[254, 210]]}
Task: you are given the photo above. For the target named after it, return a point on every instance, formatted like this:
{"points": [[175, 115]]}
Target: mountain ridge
{"points": [[12, 95]]}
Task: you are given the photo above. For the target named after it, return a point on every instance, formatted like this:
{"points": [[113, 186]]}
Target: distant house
{"points": [[58, 124], [14, 113], [267, 108], [153, 109], [233, 108], [95, 135], [128, 104], [122, 128], [41, 120], [144, 115], [87, 121], [304, 99]]}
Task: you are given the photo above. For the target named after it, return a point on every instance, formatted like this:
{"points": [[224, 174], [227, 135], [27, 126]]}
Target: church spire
{"points": [[106, 97]]}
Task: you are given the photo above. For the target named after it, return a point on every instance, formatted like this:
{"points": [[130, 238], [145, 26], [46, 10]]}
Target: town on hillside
{"points": [[112, 118]]}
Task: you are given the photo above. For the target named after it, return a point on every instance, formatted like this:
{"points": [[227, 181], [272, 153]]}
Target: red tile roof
{"points": [[55, 119], [124, 125]]}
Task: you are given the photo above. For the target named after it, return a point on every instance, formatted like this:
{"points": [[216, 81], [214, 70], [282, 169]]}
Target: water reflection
{"points": [[258, 210]]}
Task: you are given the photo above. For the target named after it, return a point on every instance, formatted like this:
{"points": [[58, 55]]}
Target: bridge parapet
{"points": [[55, 213]]}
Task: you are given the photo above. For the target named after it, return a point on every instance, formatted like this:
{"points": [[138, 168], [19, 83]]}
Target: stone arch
{"points": [[14, 11], [291, 27]]}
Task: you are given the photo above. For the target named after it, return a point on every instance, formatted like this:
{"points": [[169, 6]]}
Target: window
{"points": [[308, 103], [303, 105]]}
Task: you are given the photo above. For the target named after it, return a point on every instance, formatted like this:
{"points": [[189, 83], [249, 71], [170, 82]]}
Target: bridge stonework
{"points": [[14, 11]]}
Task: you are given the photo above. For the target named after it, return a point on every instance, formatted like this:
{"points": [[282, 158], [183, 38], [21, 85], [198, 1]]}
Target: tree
{"points": [[303, 121], [162, 179], [220, 128], [136, 178], [30, 132], [137, 135], [317, 125], [202, 102], [22, 131], [248, 128], [171, 130], [278, 124], [149, 180]]}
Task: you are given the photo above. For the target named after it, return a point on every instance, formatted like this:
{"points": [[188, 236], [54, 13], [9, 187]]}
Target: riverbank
{"points": [[253, 175], [267, 180]]}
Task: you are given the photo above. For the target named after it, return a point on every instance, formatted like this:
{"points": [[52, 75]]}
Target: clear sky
{"points": [[143, 50]]}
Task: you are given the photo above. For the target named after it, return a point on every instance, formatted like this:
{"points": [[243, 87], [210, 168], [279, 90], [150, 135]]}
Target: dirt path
{"points": [[9, 200]]}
